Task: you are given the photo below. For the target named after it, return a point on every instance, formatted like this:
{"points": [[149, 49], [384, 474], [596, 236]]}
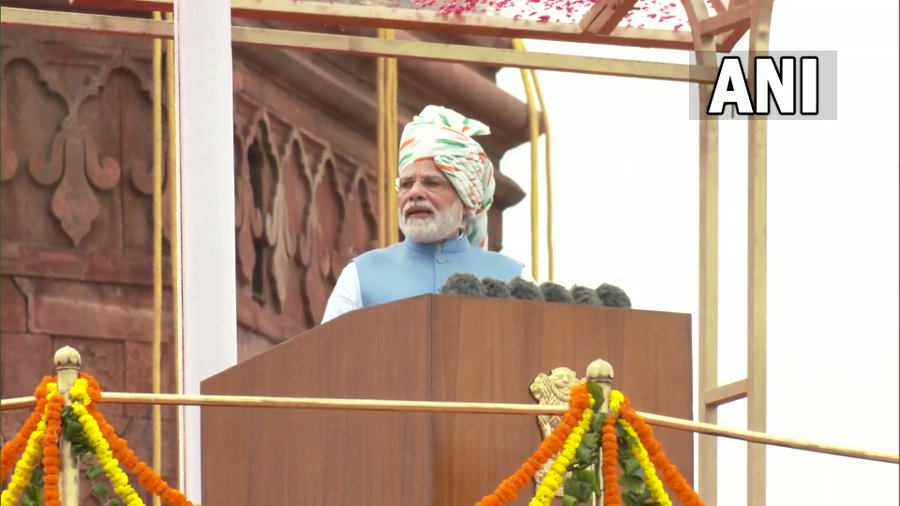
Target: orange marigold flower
{"points": [[505, 493]]}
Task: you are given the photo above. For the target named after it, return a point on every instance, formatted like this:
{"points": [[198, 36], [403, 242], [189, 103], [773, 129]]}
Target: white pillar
{"points": [[206, 161]]}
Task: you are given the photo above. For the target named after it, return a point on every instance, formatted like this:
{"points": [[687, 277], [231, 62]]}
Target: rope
{"points": [[392, 142], [175, 234], [546, 122], [386, 87], [535, 133], [381, 145], [157, 247]]}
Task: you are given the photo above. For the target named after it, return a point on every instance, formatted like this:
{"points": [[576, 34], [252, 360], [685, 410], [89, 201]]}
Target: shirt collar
{"points": [[457, 245]]}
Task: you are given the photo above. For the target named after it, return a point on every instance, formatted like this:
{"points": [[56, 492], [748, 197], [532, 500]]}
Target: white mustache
{"points": [[424, 204]]}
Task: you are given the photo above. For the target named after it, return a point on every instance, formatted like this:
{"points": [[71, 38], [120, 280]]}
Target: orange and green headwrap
{"points": [[445, 136]]}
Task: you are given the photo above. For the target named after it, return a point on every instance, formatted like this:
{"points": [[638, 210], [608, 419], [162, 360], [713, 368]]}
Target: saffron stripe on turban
{"points": [[445, 136]]}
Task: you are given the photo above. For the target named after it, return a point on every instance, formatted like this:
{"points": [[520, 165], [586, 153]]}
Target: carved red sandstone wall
{"points": [[76, 215], [75, 240], [303, 212]]}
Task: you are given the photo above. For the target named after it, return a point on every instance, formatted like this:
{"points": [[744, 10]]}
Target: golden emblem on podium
{"points": [[552, 390]]}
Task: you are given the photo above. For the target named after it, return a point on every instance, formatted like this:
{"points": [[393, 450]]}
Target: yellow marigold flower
{"points": [[26, 465], [554, 482], [111, 465], [653, 482], [615, 400], [120, 480], [545, 490]]}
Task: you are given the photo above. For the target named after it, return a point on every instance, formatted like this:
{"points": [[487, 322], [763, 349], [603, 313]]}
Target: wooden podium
{"points": [[432, 347]]}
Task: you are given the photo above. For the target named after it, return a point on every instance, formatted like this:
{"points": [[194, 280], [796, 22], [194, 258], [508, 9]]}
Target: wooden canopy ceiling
{"points": [[666, 24]]}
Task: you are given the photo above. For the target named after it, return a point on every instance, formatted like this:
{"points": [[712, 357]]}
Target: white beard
{"points": [[439, 226]]}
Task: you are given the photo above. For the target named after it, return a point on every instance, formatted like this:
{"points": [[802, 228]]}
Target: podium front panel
{"points": [[492, 353]]}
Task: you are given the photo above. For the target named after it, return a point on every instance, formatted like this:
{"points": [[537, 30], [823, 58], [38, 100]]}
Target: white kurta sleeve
{"points": [[346, 295]]}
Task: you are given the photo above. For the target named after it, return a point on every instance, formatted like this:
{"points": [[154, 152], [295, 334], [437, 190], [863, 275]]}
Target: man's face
{"points": [[428, 206]]}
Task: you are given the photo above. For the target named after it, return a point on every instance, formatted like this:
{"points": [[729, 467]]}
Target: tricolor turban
{"points": [[445, 136]]}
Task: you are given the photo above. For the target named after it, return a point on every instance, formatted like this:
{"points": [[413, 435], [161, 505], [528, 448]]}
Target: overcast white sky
{"points": [[626, 191]]}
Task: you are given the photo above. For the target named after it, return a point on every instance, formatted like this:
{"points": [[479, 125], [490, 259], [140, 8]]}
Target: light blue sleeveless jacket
{"points": [[409, 268]]}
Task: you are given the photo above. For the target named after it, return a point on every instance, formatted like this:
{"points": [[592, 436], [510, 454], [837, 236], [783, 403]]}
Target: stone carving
{"points": [[74, 155], [360, 228], [281, 238], [33, 105], [77, 162], [553, 390], [299, 217], [247, 217], [8, 161], [325, 229], [76, 149]]}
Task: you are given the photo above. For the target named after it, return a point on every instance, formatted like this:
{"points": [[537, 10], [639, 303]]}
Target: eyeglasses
{"points": [[431, 184]]}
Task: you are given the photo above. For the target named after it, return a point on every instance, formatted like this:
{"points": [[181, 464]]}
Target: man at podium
{"points": [[444, 191]]}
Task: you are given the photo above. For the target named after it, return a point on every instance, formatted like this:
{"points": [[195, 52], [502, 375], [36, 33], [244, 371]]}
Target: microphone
{"points": [[463, 283], [554, 292], [613, 296], [585, 295], [496, 288], [524, 290]]}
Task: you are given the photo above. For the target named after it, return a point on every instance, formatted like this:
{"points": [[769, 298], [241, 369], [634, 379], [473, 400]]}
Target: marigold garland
{"points": [[610, 461], [149, 478], [14, 448], [24, 468], [39, 438], [110, 465], [670, 474], [616, 398], [55, 402], [637, 449], [554, 477], [579, 400]]}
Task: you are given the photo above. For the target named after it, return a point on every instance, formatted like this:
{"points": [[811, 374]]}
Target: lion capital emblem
{"points": [[552, 390]]}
